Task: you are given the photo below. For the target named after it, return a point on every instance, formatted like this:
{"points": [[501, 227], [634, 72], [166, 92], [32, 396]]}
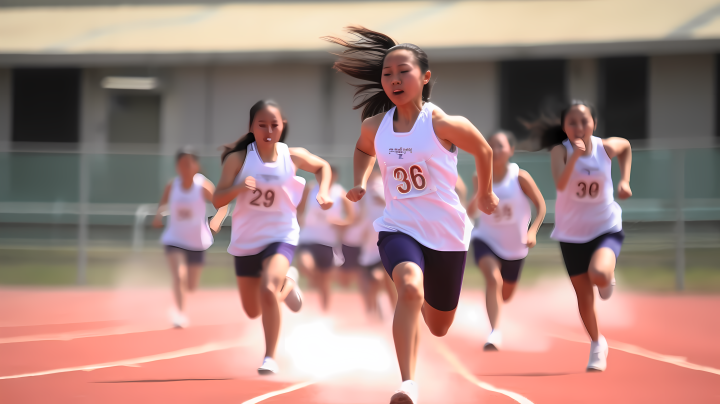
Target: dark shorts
{"points": [[351, 255], [192, 257], [251, 265], [442, 270], [322, 255], [509, 270], [577, 256]]}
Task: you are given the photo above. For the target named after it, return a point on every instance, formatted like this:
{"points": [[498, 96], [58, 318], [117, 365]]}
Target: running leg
{"points": [[494, 287], [193, 277], [249, 288], [272, 294], [408, 278], [586, 303], [602, 267], [178, 270]]}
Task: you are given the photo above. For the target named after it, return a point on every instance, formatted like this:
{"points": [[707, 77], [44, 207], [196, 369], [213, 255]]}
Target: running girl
{"points": [[258, 171], [424, 230], [187, 234], [501, 240], [588, 221], [319, 233]]}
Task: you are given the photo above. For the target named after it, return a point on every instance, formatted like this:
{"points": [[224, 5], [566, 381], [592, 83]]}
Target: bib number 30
{"points": [[408, 181], [584, 189]]}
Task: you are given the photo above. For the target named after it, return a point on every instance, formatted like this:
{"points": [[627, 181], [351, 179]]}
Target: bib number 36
{"points": [[409, 180]]}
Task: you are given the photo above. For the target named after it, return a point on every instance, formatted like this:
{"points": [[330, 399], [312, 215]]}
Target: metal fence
{"points": [[52, 185]]}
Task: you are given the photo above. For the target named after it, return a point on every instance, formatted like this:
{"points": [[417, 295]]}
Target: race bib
{"points": [[409, 181], [587, 189], [184, 214], [502, 216]]}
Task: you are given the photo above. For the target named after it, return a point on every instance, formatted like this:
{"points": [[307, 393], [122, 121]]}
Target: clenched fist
{"points": [[356, 194], [487, 203]]}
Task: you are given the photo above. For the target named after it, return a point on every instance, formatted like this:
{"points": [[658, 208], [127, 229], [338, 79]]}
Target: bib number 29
{"points": [[590, 190], [408, 181], [269, 198]]}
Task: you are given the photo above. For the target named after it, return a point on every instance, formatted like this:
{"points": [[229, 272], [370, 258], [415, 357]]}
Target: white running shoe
{"points": [[294, 299], [598, 355], [179, 320], [406, 394], [269, 367], [494, 341], [606, 291]]}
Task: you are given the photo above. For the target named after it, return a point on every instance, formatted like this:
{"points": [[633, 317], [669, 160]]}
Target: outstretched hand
{"points": [[356, 193]]}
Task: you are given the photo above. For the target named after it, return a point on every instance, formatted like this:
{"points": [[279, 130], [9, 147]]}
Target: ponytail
{"points": [[363, 59], [247, 139]]}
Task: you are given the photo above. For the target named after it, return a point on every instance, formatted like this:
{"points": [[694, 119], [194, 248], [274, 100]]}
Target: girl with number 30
{"points": [[424, 232]]}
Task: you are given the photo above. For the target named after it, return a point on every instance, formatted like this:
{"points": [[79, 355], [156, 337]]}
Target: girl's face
{"points": [[579, 123], [402, 80], [502, 151], [267, 125], [187, 166]]}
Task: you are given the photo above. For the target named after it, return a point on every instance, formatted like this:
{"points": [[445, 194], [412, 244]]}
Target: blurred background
{"points": [[97, 96]]}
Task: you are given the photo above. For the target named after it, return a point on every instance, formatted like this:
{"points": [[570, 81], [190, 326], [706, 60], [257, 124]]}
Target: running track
{"points": [[90, 346]]}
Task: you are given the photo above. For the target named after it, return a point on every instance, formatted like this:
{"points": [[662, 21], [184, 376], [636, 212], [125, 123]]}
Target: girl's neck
{"points": [[407, 114], [186, 183], [267, 151], [500, 171]]}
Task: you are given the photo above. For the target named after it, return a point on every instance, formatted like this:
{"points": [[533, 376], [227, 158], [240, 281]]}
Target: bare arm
{"points": [[460, 132], [217, 220], [311, 163], [226, 191], [461, 190], [529, 188], [303, 203], [157, 220], [620, 148], [472, 207], [561, 166], [364, 157]]}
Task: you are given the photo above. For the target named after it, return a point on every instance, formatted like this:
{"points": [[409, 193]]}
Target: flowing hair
{"points": [[363, 59], [547, 131], [248, 138]]}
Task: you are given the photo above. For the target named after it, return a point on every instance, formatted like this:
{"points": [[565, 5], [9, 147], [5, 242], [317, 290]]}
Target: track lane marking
{"points": [[272, 394], [640, 351], [197, 350], [464, 372]]}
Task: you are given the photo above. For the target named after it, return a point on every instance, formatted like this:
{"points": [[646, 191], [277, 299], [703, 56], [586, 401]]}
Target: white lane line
{"points": [[67, 336], [279, 392], [464, 372], [197, 350], [639, 351]]}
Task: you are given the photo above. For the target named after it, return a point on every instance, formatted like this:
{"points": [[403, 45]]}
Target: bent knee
{"points": [[439, 330], [268, 294], [411, 293]]}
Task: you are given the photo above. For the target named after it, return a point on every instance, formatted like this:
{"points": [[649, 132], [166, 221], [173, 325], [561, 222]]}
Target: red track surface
{"points": [[543, 359]]}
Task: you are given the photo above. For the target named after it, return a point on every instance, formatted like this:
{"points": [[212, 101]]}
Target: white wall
{"points": [[93, 110], [682, 101], [184, 117], [470, 90], [5, 107]]}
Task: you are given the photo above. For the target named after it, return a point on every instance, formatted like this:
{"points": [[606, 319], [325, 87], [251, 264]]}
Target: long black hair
{"points": [[548, 131], [249, 137], [363, 59]]}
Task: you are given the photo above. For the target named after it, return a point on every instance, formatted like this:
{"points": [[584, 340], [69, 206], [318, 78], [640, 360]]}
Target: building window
{"points": [[623, 97], [529, 88], [46, 105]]}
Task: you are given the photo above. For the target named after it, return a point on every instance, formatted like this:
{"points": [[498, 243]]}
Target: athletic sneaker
{"points": [[494, 341], [179, 320], [269, 367], [598, 355], [294, 299], [406, 394], [606, 291]]}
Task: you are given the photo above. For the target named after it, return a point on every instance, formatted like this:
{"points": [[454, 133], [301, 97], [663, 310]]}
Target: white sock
{"points": [[410, 388]]}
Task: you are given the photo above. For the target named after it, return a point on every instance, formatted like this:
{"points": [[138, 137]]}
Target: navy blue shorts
{"points": [[352, 256], [577, 256], [322, 255], [252, 265], [192, 257], [509, 270], [442, 270]]}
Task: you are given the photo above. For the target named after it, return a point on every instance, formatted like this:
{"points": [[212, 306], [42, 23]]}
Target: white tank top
{"points": [[353, 234], [586, 208], [269, 213], [317, 228], [372, 209], [419, 176], [505, 231], [187, 226]]}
